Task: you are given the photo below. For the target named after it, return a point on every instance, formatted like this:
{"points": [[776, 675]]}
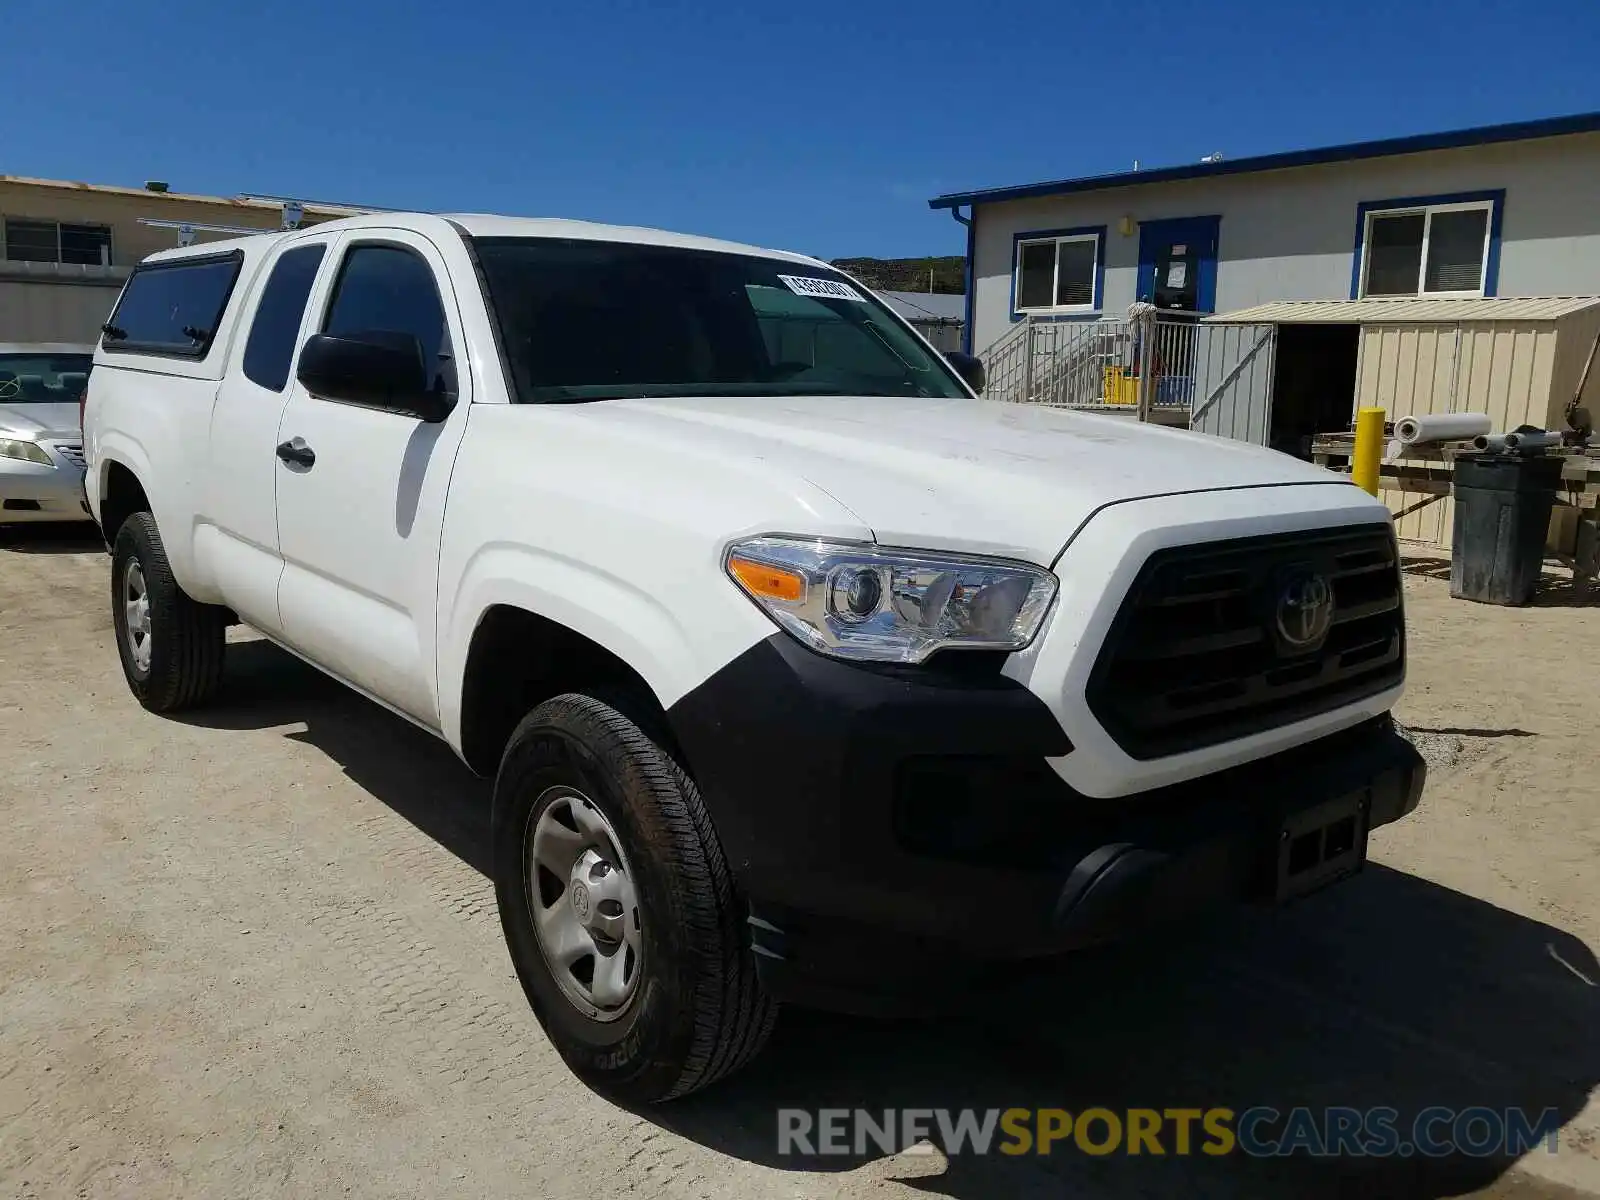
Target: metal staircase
{"points": [[1070, 364]]}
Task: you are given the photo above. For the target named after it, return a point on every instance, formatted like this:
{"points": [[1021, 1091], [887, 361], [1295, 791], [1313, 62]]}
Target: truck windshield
{"points": [[36, 378], [590, 320]]}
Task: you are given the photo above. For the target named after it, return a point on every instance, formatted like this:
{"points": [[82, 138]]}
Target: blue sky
{"points": [[822, 127]]}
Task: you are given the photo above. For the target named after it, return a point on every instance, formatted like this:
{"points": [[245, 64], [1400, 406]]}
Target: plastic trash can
{"points": [[1503, 504]]}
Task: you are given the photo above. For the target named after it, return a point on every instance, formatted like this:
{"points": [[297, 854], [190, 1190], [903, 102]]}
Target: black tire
{"points": [[186, 637], [698, 1012]]}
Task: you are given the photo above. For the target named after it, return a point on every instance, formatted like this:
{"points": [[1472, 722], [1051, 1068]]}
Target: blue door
{"points": [[1178, 263]]}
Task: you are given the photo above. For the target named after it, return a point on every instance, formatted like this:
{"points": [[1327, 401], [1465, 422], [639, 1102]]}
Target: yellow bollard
{"points": [[1369, 449]]}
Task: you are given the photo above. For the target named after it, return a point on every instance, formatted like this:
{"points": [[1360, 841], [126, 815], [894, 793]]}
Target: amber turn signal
{"points": [[766, 581]]}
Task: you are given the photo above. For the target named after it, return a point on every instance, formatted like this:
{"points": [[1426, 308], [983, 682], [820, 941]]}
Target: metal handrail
{"points": [[1147, 360]]}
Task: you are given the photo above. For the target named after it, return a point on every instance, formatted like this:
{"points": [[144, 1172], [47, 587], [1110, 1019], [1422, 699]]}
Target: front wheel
{"points": [[618, 907], [171, 645]]}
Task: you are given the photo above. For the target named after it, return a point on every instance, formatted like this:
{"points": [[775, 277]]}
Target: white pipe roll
{"points": [[1493, 442], [1442, 427]]}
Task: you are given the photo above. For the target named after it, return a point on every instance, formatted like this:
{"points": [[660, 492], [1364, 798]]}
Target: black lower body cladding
{"points": [[893, 828]]}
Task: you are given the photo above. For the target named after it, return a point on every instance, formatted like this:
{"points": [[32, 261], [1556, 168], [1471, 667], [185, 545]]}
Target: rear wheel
{"points": [[171, 646], [618, 906]]}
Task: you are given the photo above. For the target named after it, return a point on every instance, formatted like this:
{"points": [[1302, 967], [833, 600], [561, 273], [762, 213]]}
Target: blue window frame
{"points": [[1058, 272], [1447, 245]]}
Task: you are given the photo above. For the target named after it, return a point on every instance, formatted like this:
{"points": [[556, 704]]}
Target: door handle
{"points": [[296, 451]]}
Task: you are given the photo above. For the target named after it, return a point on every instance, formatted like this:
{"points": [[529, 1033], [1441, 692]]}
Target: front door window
{"points": [[1178, 264], [1177, 283]]}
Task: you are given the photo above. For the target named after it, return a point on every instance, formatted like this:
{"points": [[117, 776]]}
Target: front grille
{"points": [[71, 451], [1197, 654]]}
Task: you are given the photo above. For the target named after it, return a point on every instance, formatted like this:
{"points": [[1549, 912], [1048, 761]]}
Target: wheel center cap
{"points": [[581, 904]]}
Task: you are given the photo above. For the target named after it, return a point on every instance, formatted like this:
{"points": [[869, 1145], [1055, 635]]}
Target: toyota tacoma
{"points": [[804, 674]]}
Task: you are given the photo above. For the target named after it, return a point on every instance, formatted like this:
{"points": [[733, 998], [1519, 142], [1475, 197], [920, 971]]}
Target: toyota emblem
{"points": [[580, 901], [1305, 611]]}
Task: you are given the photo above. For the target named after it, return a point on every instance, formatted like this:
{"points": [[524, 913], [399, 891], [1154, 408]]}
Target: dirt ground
{"points": [[253, 953]]}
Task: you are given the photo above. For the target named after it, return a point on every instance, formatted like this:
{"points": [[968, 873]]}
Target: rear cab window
{"points": [[173, 307], [275, 328]]}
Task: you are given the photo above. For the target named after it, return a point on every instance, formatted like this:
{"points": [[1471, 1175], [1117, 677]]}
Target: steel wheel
{"points": [[170, 646], [136, 607], [582, 900], [643, 979]]}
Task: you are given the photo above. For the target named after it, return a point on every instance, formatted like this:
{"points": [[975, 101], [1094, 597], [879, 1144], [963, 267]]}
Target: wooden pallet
{"points": [[1428, 471]]}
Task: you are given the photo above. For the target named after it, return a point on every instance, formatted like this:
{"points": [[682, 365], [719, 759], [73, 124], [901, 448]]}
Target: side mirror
{"points": [[379, 369], [969, 367]]}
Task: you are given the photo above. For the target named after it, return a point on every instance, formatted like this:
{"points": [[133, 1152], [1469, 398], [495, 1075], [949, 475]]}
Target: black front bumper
{"points": [[907, 819]]}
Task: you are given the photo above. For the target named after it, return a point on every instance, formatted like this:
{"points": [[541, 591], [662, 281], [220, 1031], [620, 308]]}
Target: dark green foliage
{"points": [[907, 274]]}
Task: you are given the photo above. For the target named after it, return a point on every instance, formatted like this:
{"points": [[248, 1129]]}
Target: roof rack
{"points": [[294, 212], [303, 203], [187, 229]]}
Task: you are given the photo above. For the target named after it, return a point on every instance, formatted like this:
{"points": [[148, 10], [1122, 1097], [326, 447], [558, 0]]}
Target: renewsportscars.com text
{"points": [[1260, 1131]]}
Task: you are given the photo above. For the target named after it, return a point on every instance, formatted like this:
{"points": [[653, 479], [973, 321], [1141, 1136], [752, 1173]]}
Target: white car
{"points": [[41, 448], [804, 674]]}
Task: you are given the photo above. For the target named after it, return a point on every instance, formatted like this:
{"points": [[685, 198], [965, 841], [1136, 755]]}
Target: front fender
{"points": [[618, 614]]}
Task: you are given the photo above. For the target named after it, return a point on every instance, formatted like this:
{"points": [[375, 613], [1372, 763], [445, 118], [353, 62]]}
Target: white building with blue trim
{"points": [[1503, 210]]}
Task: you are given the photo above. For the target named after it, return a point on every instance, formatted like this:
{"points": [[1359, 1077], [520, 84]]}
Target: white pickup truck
{"points": [[804, 674]]}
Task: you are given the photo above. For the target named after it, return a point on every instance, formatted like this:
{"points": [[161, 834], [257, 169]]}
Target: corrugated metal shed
{"points": [[938, 317], [1520, 359], [1517, 358], [926, 306], [1520, 371], [1408, 309]]}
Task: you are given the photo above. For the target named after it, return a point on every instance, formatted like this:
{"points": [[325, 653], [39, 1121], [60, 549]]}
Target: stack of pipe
{"points": [[1435, 427], [1466, 427], [1517, 442]]}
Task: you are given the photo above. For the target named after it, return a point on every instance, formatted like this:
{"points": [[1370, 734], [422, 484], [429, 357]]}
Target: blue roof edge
{"points": [[1418, 143]]}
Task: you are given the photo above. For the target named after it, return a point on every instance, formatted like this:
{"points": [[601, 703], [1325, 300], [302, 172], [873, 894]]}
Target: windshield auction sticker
{"points": [[822, 289]]}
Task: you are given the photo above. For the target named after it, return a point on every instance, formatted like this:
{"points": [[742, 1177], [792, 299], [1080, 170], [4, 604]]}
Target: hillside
{"points": [[907, 274]]}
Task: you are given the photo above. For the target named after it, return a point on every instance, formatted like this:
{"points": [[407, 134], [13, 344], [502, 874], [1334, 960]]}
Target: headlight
{"points": [[26, 451], [858, 601]]}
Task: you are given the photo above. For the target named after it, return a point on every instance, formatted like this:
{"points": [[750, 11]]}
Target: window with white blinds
{"points": [[1057, 274], [1431, 250], [1457, 240]]}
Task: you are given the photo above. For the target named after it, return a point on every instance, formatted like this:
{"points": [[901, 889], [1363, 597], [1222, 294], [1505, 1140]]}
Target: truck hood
{"points": [[979, 476], [32, 418]]}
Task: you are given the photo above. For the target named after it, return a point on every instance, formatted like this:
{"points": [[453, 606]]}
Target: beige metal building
{"points": [[65, 248], [1518, 359]]}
